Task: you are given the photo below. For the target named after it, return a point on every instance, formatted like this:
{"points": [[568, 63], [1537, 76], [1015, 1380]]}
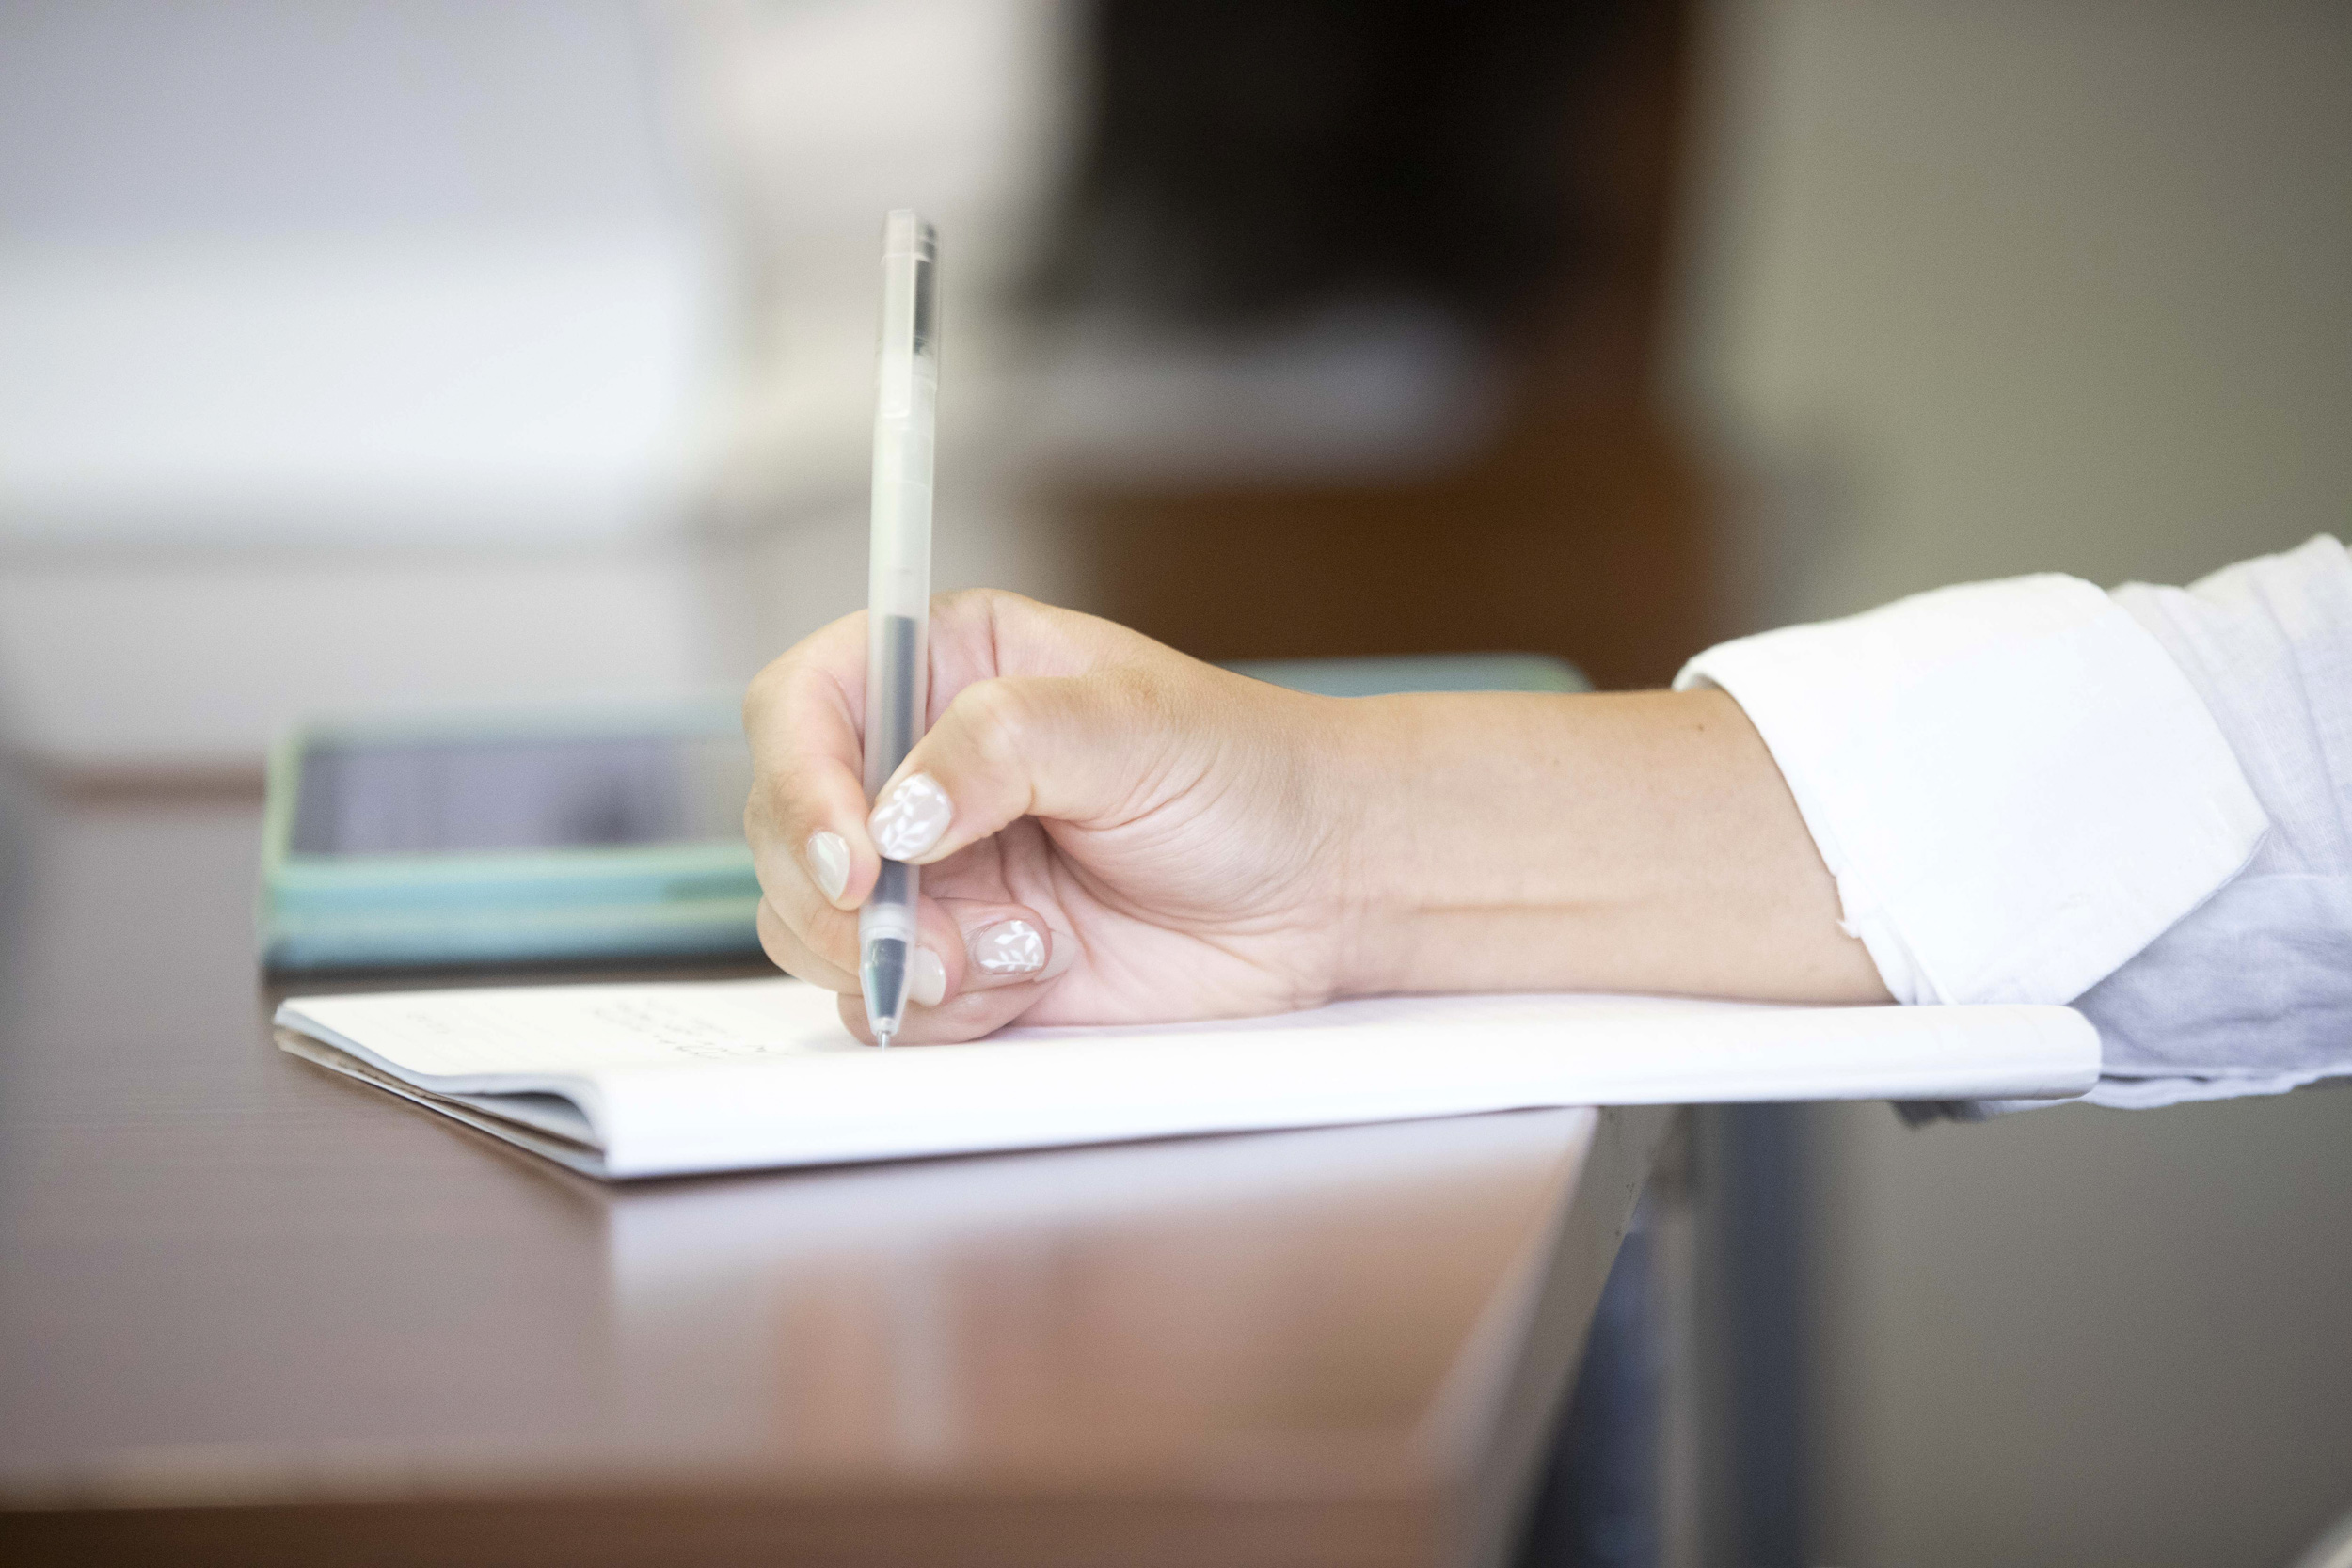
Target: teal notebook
{"points": [[508, 839]]}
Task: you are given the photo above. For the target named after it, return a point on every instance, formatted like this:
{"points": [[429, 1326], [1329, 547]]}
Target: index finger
{"points": [[804, 717]]}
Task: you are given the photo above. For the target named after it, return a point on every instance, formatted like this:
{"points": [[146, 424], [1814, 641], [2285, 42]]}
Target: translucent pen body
{"points": [[898, 590]]}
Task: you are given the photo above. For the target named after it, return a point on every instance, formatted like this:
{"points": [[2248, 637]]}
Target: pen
{"points": [[898, 590]]}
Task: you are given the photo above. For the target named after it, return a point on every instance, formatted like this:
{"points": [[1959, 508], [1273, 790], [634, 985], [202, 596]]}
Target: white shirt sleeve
{"points": [[2027, 788], [2252, 992]]}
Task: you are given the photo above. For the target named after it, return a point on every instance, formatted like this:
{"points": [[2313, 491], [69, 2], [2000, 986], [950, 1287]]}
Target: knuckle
{"points": [[805, 675], [1001, 719], [962, 613], [967, 601], [765, 697], [998, 704]]}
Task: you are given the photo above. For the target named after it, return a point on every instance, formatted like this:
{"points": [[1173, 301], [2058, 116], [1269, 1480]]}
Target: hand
{"points": [[1109, 832], [1112, 832]]}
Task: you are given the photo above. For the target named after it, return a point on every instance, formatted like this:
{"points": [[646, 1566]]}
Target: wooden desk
{"points": [[251, 1312]]}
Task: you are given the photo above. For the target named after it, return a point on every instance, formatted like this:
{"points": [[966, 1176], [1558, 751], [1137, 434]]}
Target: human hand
{"points": [[1112, 832], [1109, 830]]}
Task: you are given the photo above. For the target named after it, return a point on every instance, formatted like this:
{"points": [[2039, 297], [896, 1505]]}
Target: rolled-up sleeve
{"points": [[2038, 791]]}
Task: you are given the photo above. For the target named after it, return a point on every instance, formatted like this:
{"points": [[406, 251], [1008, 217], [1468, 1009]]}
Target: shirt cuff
{"points": [[2014, 785]]}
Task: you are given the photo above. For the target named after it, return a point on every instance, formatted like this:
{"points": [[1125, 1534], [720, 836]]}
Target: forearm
{"points": [[1639, 843]]}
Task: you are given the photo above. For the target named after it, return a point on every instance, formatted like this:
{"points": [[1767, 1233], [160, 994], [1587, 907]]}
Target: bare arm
{"points": [[1643, 842]]}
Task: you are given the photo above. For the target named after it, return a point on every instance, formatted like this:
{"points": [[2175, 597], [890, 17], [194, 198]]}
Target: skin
{"points": [[1195, 844]]}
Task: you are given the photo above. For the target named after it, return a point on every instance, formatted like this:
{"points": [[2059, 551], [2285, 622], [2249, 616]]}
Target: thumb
{"points": [[1070, 748]]}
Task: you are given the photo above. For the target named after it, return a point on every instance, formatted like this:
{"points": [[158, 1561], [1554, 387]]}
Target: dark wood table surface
{"points": [[253, 1313]]}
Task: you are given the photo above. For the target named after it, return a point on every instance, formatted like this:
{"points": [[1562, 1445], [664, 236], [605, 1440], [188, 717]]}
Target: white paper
{"points": [[730, 1074]]}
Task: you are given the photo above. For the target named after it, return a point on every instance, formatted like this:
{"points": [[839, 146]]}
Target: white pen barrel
{"points": [[898, 592], [898, 587]]}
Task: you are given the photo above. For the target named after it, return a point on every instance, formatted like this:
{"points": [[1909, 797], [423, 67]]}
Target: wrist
{"points": [[1392, 810], [1636, 841]]}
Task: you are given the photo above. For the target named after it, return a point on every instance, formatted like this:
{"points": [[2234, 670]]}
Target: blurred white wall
{"points": [[348, 355], [1982, 286], [276, 271], [410, 388], [429, 353]]}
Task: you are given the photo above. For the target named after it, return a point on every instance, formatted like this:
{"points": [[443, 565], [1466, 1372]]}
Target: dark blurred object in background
{"points": [[1508, 168], [1251, 157]]}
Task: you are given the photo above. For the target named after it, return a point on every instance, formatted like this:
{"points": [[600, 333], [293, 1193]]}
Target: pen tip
{"points": [[882, 1038]]}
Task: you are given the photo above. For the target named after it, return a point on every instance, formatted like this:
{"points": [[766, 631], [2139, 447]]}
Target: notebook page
{"points": [[731, 1074], [1379, 1060], [577, 1031]]}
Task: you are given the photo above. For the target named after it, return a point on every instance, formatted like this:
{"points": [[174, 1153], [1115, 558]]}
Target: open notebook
{"points": [[625, 1081]]}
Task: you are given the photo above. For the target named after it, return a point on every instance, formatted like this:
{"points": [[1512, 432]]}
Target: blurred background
{"points": [[421, 354]]}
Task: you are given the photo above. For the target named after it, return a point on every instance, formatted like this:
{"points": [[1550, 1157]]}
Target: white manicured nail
{"points": [[911, 817], [829, 863], [1008, 947], [927, 979]]}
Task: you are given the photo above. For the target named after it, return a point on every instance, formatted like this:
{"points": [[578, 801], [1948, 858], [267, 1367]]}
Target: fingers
{"points": [[1005, 958], [1080, 748], [1058, 738], [966, 949], [803, 717], [962, 1018], [1005, 944], [825, 953], [808, 819], [788, 952], [805, 819]]}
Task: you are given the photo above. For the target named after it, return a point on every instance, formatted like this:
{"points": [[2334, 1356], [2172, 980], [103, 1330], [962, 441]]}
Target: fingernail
{"points": [[829, 863], [911, 817], [927, 979], [1008, 947]]}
